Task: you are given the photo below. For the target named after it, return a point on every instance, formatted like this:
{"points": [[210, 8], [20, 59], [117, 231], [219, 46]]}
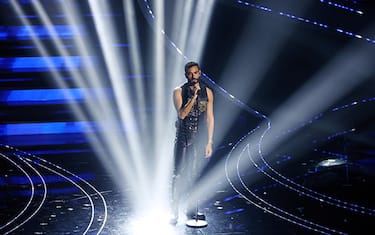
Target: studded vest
{"points": [[188, 127]]}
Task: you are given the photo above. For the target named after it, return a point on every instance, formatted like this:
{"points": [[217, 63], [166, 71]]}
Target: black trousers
{"points": [[188, 165]]}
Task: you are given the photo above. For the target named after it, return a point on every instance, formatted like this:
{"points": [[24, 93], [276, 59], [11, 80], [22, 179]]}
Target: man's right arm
{"points": [[177, 100]]}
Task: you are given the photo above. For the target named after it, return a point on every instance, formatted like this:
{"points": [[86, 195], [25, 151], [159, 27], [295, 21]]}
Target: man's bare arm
{"points": [[177, 99], [210, 122]]}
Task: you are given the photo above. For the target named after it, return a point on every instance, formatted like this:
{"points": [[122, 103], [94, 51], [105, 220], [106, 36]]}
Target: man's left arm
{"points": [[210, 122]]}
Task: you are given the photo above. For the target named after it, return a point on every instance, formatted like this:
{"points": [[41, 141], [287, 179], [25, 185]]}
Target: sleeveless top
{"points": [[188, 128]]}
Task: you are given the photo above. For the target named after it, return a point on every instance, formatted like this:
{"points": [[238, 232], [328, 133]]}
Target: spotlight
{"points": [[151, 222], [332, 162]]}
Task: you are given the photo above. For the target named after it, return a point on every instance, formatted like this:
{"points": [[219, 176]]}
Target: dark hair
{"points": [[190, 64]]}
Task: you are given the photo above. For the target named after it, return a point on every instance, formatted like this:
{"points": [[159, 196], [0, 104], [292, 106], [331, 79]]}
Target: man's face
{"points": [[193, 73]]}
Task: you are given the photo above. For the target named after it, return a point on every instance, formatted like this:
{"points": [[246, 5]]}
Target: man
{"points": [[193, 146]]}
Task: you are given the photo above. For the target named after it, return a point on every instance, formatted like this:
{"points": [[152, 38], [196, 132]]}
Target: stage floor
{"points": [[71, 194]]}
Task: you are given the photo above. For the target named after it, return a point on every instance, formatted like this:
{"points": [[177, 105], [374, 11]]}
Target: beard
{"points": [[193, 82]]}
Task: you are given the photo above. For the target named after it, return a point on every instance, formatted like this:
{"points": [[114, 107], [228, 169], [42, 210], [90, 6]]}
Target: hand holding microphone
{"points": [[196, 89]]}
